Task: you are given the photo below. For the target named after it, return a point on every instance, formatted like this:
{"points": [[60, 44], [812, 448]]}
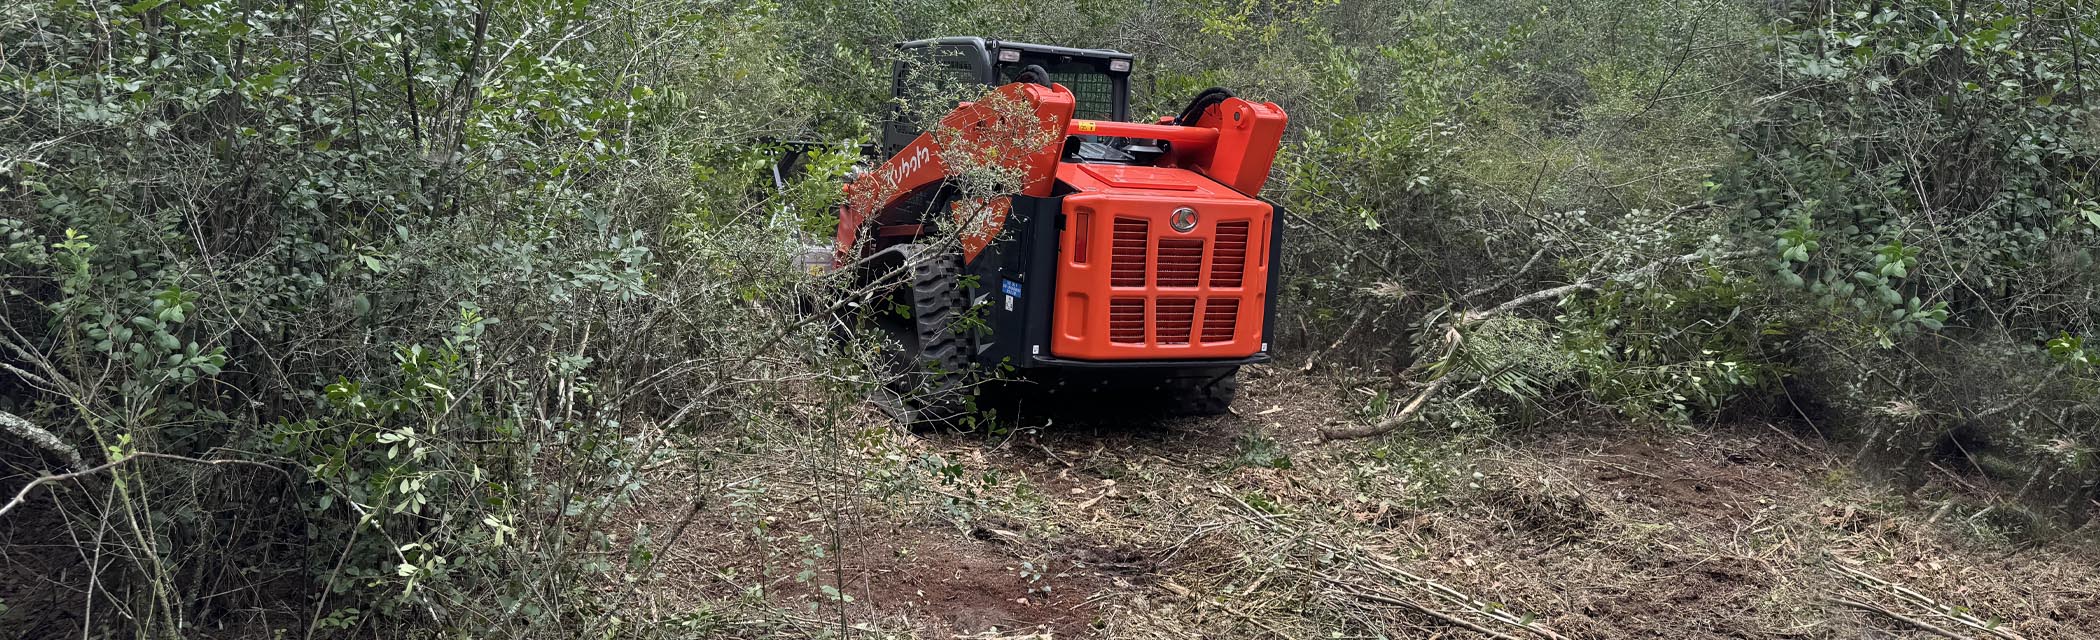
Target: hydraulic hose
{"points": [[1204, 101], [1033, 73]]}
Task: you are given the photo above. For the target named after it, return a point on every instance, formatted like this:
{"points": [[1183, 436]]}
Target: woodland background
{"points": [[364, 318]]}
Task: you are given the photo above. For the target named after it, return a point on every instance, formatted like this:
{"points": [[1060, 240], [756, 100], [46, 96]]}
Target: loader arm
{"points": [[1022, 128], [1017, 127]]}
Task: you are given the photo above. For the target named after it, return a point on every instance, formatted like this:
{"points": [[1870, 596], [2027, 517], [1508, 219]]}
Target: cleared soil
{"points": [[1248, 526]]}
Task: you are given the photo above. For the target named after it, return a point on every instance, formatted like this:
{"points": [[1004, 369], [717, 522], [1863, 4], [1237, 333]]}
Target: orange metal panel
{"points": [[1132, 177], [1249, 134], [1142, 290]]}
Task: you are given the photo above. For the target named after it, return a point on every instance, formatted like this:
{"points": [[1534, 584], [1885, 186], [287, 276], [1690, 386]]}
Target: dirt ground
{"points": [[1248, 526]]}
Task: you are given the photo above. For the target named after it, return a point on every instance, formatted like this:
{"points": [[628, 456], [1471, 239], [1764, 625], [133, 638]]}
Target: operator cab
{"points": [[946, 70]]}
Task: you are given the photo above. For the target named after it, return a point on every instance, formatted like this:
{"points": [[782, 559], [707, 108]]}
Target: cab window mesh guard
{"points": [[1091, 89]]}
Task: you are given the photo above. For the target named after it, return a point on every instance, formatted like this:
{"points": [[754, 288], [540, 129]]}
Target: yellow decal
{"points": [[1085, 125]]}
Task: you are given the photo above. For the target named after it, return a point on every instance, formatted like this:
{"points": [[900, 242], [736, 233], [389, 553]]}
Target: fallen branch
{"points": [[1921, 624], [1389, 424], [1591, 284], [1471, 318], [1348, 333], [1506, 280], [1397, 575], [2022, 400], [23, 495], [1402, 602], [43, 439], [1452, 340], [1959, 615]]}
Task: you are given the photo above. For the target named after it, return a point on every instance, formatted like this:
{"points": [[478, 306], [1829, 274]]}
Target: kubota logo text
{"points": [[906, 166]]}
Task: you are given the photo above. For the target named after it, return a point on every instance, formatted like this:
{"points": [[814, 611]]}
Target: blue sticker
{"points": [[1010, 288]]}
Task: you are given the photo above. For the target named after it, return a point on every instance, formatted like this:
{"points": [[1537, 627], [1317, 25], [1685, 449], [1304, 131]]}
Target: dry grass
{"points": [[1249, 527]]}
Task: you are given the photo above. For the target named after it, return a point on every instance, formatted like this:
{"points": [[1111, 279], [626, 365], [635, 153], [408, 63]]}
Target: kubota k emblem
{"points": [[1183, 219]]}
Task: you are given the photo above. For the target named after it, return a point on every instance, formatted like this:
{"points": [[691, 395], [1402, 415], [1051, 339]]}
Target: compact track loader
{"points": [[1134, 259]]}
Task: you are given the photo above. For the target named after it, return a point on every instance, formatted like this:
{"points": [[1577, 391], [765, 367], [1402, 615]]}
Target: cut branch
{"points": [[1466, 320], [43, 439], [1420, 608], [1960, 615], [1591, 284], [1395, 422], [1506, 280], [1921, 624], [2024, 398]]}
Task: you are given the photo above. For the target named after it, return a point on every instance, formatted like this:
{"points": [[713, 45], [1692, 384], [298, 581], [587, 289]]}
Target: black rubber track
{"points": [[936, 386]]}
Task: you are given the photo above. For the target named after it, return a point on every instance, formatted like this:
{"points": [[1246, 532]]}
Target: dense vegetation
{"points": [[427, 285]]}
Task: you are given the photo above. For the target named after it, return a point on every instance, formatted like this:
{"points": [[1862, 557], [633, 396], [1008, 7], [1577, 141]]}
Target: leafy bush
{"points": [[1923, 175], [1916, 167], [452, 270]]}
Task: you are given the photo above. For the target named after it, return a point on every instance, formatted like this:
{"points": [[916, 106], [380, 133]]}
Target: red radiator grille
{"points": [[1220, 316], [1126, 264], [1180, 262], [1174, 319], [1126, 320], [1181, 290], [1228, 263], [1132, 286]]}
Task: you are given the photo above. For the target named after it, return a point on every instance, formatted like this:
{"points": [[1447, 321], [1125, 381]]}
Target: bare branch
{"points": [[1590, 284], [1452, 337], [1512, 277], [1419, 607], [1921, 624], [23, 495], [43, 439]]}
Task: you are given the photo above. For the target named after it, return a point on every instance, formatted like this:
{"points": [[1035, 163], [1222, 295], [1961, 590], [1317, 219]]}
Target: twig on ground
{"points": [[1400, 576], [1418, 607], [1960, 615], [1452, 340], [1921, 624]]}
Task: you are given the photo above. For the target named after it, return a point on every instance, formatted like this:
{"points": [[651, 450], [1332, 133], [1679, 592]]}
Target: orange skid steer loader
{"points": [[1125, 258]]}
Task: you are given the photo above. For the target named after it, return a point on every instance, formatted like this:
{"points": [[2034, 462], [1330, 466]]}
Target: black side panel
{"points": [[1017, 277]]}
